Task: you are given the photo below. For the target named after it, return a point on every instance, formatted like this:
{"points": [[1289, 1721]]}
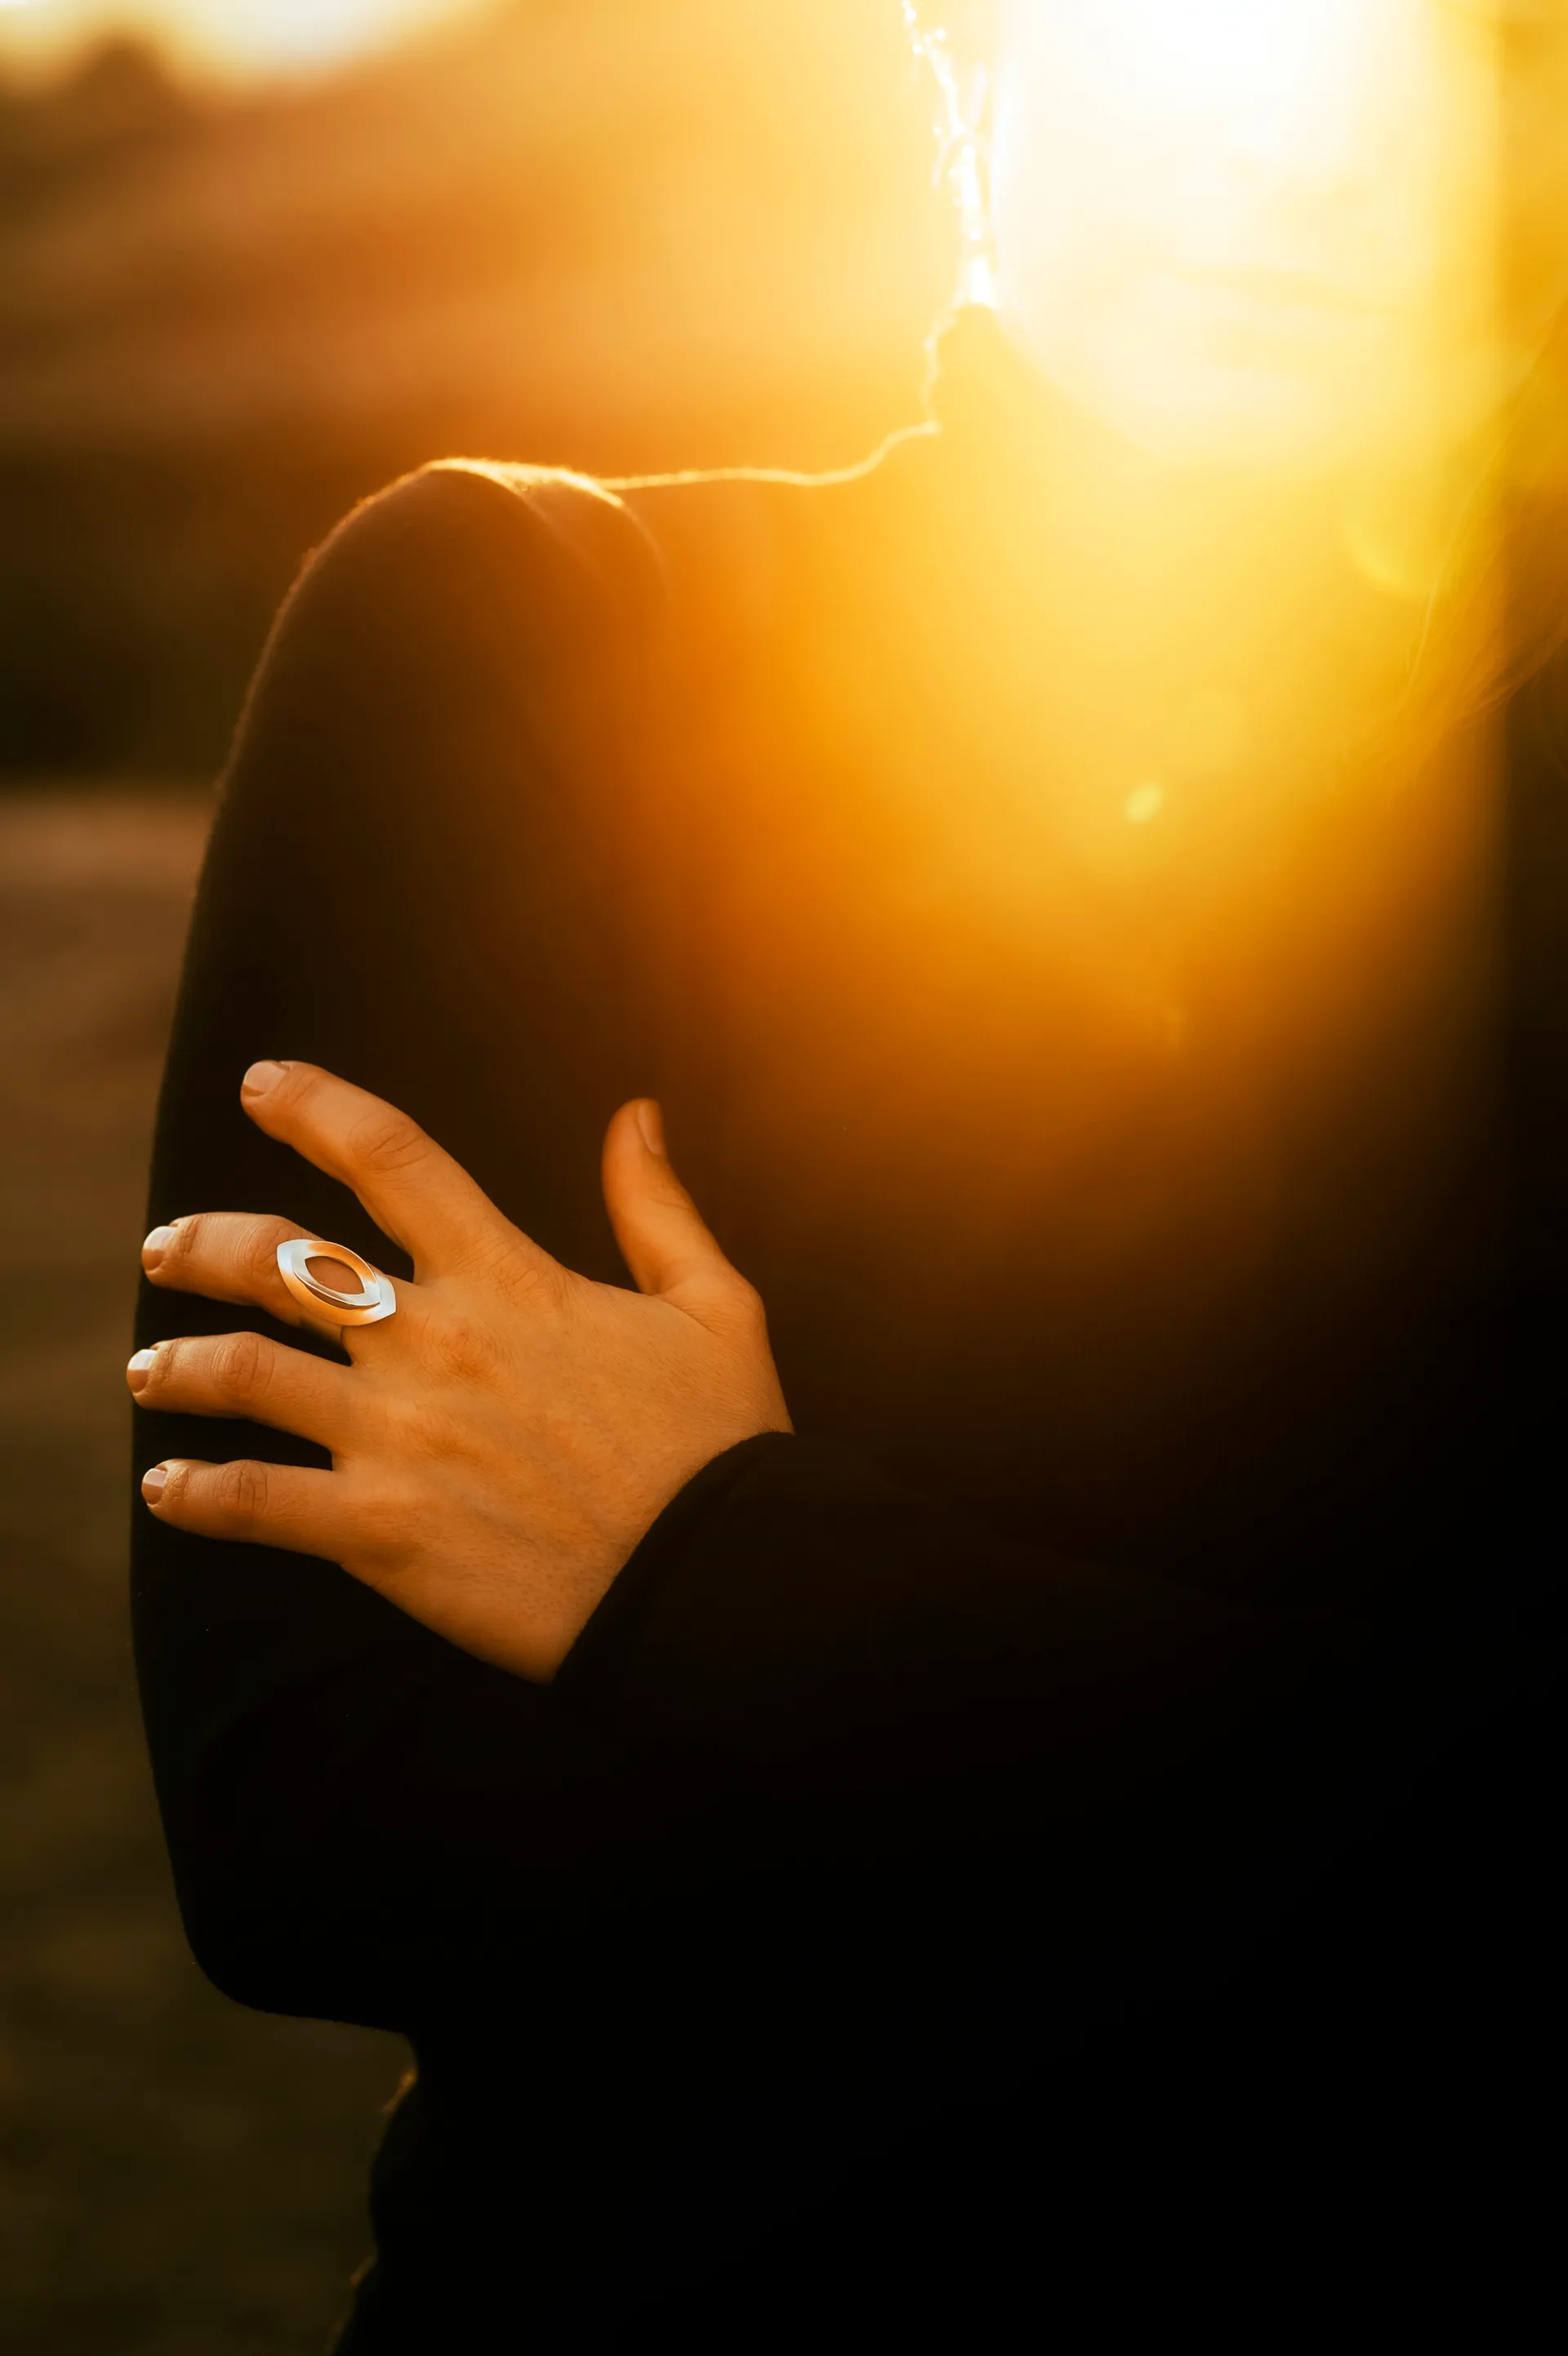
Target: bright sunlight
{"points": [[1266, 226], [231, 37]]}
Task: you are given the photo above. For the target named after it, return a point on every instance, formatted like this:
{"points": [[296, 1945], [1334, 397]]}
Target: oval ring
{"points": [[323, 1304]]}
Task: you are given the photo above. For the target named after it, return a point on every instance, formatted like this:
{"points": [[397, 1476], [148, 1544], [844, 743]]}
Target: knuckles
{"points": [[386, 1141], [529, 1279], [258, 1254], [240, 1491], [459, 1352], [388, 1523], [240, 1367], [467, 1353], [235, 1370], [376, 1139]]}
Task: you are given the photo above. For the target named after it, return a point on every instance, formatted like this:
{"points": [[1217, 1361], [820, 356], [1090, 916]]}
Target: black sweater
{"points": [[1131, 1690]]}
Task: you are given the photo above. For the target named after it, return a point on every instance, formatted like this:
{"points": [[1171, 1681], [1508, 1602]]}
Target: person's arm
{"points": [[859, 1654], [407, 881], [407, 878], [783, 1664]]}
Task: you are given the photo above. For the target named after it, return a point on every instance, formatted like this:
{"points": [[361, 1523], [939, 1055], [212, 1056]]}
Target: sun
{"points": [[1283, 63]]}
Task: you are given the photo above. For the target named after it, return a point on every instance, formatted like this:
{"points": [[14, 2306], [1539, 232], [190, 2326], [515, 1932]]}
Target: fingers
{"points": [[286, 1506], [416, 1192], [248, 1377], [661, 1232], [229, 1256]]}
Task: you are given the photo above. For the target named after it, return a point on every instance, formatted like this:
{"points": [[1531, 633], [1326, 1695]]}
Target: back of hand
{"points": [[503, 1440]]}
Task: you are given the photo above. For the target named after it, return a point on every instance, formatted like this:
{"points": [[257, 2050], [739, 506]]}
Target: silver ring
{"points": [[327, 1310]]}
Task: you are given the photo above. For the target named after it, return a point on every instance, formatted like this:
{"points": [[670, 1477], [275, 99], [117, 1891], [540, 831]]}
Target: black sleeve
{"points": [[405, 884], [1034, 1768], [801, 1667], [839, 1643]]}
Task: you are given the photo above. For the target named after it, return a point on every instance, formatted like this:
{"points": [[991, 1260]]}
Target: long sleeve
{"points": [[864, 1662], [804, 1667], [404, 885]]}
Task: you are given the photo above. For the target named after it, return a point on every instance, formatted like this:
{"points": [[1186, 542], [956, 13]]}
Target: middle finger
{"points": [[232, 1256]]}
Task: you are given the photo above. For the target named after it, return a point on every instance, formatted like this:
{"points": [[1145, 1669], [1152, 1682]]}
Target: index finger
{"points": [[414, 1191]]}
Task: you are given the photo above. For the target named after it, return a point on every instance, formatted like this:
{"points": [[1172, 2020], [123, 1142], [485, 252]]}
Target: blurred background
{"points": [[255, 260]]}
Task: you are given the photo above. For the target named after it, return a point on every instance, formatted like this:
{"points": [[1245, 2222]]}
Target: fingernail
{"points": [[154, 1482], [137, 1371], [650, 1120], [262, 1077], [156, 1243]]}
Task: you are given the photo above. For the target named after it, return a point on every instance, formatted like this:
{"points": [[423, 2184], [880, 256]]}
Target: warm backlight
{"points": [[1271, 230], [1292, 71], [233, 35]]}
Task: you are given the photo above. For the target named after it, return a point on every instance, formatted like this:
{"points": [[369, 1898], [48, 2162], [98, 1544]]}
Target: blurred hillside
{"points": [[622, 234]]}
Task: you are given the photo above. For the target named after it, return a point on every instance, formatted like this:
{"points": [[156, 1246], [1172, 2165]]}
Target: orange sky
{"points": [[236, 37]]}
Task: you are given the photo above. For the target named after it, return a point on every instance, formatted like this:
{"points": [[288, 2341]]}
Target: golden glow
{"points": [[1270, 230], [231, 37], [1291, 72], [1209, 734], [1397, 530]]}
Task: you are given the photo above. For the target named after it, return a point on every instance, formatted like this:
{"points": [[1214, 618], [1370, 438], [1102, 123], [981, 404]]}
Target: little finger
{"points": [[288, 1505]]}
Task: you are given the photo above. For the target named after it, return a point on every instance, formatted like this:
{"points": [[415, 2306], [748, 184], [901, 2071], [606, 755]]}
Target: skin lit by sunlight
{"points": [[231, 37]]}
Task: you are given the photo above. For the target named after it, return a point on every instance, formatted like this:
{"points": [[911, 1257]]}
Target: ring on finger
{"points": [[324, 1309]]}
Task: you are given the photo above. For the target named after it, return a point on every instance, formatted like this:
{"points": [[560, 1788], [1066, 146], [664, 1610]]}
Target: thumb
{"points": [[657, 1226]]}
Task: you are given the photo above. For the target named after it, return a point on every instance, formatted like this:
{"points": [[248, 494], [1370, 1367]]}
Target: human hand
{"points": [[503, 1442]]}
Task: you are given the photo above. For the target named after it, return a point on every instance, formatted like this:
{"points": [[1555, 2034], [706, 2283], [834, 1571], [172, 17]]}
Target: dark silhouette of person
{"points": [[1066, 1831]]}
